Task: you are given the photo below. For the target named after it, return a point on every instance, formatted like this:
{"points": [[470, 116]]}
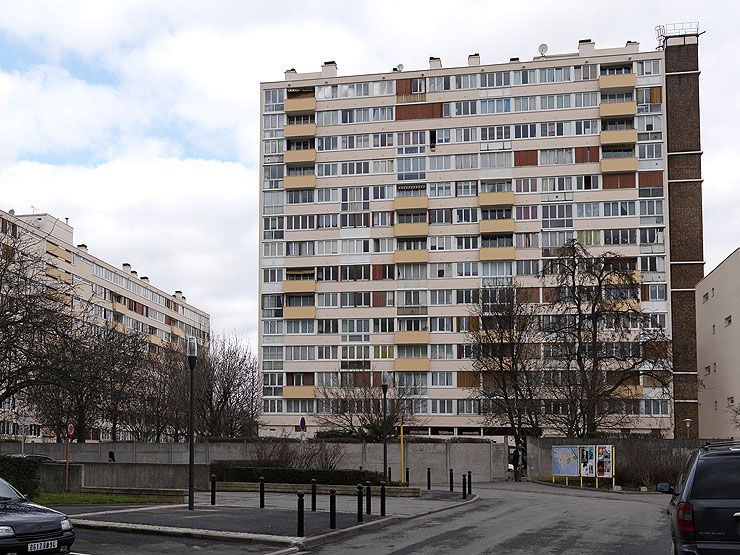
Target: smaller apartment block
{"points": [[119, 295], [718, 349]]}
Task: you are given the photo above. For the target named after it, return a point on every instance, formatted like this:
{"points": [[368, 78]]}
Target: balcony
{"points": [[299, 182], [58, 274], [155, 340], [614, 109], [411, 203], [619, 165], [296, 156], [411, 337], [300, 130], [496, 226], [411, 364], [411, 230], [496, 199], [59, 252], [119, 307], [303, 104], [299, 392], [299, 286], [623, 136], [411, 257], [177, 331], [624, 81], [498, 253], [299, 312]]}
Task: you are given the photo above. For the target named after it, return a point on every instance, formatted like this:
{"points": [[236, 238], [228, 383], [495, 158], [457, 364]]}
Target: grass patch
{"points": [[64, 498]]}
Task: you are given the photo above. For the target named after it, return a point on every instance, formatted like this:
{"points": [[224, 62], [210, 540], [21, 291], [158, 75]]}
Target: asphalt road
{"points": [[521, 518]]}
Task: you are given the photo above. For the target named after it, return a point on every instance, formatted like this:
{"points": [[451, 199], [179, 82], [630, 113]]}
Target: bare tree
{"points": [[228, 402], [356, 408], [505, 333], [599, 345]]}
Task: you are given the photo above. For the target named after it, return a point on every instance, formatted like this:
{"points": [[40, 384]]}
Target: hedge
{"points": [[235, 471], [23, 474]]}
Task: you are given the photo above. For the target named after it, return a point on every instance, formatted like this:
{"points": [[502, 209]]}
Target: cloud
{"points": [[185, 223]]}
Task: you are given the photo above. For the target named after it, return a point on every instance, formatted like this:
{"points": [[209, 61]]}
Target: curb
{"points": [[602, 490]]}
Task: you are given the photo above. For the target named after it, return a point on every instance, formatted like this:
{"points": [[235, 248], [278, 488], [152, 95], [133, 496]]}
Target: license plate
{"points": [[42, 546]]}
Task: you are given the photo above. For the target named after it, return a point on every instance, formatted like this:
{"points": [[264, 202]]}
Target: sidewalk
{"points": [[237, 516]]}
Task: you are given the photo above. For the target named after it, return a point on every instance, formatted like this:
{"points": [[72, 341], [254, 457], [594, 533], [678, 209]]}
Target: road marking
{"points": [[129, 510]]}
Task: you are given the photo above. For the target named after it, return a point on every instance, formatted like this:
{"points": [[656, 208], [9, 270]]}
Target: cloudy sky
{"points": [[138, 120]]}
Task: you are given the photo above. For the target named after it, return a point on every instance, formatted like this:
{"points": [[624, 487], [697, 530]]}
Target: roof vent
{"points": [[584, 41], [82, 247], [513, 59], [435, 63], [474, 59], [144, 279], [126, 267], [329, 69]]}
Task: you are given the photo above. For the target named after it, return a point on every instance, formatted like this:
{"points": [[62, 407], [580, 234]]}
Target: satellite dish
{"points": [[542, 49], [399, 67]]}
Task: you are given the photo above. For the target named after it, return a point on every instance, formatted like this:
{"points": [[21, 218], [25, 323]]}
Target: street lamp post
{"points": [[688, 422], [192, 359], [385, 426]]}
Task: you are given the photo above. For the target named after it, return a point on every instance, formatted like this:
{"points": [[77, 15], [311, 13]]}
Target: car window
{"points": [[686, 469], [7, 491], [717, 478]]}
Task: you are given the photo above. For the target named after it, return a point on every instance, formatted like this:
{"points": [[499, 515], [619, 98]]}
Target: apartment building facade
{"points": [[119, 296], [388, 200], [718, 350]]}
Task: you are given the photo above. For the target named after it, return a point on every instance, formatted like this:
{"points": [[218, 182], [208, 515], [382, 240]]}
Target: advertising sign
{"points": [[588, 461], [604, 461], [565, 460]]}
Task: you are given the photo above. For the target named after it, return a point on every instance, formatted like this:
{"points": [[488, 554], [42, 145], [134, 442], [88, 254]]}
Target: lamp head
{"points": [[192, 347], [385, 382]]}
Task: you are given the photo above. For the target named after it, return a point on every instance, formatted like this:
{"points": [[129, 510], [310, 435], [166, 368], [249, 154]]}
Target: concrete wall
{"points": [[164, 465], [539, 450]]}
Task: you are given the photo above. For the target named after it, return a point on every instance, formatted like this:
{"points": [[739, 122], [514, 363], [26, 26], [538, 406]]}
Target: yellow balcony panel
{"points": [[624, 136], [119, 327], [300, 130], [155, 340], [411, 257], [619, 165], [297, 156], [300, 181], [613, 109], [299, 286], [56, 273], [299, 392], [410, 203], [411, 337], [629, 391], [119, 307], [59, 252], [499, 253], [302, 104], [625, 81], [299, 312], [411, 364], [496, 199], [411, 230], [177, 331], [497, 226]]}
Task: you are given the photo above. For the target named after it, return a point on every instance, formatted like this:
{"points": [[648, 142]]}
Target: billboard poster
{"points": [[588, 461], [604, 461], [564, 460]]}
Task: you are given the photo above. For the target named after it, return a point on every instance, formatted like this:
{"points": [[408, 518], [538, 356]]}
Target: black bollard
{"points": [[332, 509], [407, 476], [262, 493], [313, 495], [389, 475], [359, 502], [465, 488], [382, 498], [470, 483], [213, 489], [429, 478], [452, 481], [368, 500], [300, 514]]}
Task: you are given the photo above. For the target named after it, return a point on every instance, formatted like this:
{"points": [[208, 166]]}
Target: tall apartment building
{"points": [[388, 200], [718, 349], [118, 295]]}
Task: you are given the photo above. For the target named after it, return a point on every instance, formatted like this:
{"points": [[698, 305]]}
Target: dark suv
{"points": [[705, 507]]}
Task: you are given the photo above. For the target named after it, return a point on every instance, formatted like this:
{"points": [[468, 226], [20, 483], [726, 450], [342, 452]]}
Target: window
{"points": [[436, 84], [555, 156], [440, 297], [496, 213], [586, 72], [526, 185], [440, 189], [620, 236], [466, 215], [524, 77], [527, 240], [651, 207], [649, 151], [728, 320], [383, 325], [554, 74], [589, 237], [468, 406], [467, 242], [461, 108], [587, 182], [525, 104], [525, 131], [442, 406], [586, 99], [441, 324], [649, 67], [526, 212], [498, 133], [439, 163], [587, 210], [467, 269], [440, 216], [554, 184], [272, 384], [411, 271], [469, 81], [527, 267], [587, 127], [466, 188], [495, 186], [495, 79], [557, 215], [657, 292], [442, 352], [555, 129], [495, 106], [504, 159], [622, 208], [554, 101], [442, 379]]}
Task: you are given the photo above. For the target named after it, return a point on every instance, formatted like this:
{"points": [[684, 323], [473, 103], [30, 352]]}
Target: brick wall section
{"points": [[683, 313], [684, 166], [681, 411], [682, 118], [686, 276], [682, 58], [685, 222]]}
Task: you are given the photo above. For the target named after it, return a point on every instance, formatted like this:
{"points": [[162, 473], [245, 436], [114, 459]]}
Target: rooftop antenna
{"points": [[542, 49], [399, 67]]}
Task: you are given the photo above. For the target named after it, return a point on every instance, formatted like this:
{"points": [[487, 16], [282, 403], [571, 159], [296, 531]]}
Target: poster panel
{"points": [[565, 460], [604, 461], [588, 461]]}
